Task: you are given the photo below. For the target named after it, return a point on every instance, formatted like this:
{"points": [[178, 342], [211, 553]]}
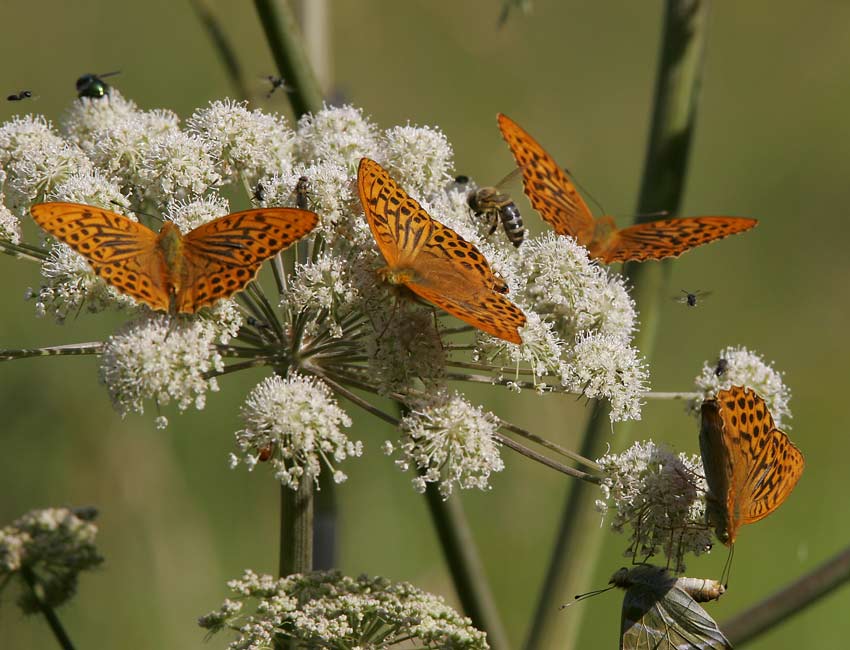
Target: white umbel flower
{"points": [[661, 497], [339, 134], [157, 357], [53, 546], [604, 366], [297, 423], [247, 144], [326, 609], [450, 443], [738, 366], [418, 157], [575, 293]]}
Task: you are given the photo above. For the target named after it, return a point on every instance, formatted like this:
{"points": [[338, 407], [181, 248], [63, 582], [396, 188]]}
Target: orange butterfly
{"points": [[750, 465], [432, 260], [171, 271], [555, 197]]}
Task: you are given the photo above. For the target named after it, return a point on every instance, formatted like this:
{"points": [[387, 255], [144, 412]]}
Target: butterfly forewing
{"points": [[547, 185], [432, 260], [121, 251], [398, 223]]}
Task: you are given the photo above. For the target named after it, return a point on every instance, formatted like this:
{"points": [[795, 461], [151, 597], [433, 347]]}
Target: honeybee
{"points": [[495, 205]]}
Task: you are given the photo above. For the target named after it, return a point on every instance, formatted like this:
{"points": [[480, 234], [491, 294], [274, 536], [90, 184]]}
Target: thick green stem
{"points": [[579, 537], [789, 600], [468, 574], [324, 524], [49, 613], [296, 528], [222, 46], [289, 55]]}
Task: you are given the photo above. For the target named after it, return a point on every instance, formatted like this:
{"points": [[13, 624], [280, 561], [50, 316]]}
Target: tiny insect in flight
{"points": [[93, 86], [23, 94], [277, 82], [691, 297], [495, 206]]}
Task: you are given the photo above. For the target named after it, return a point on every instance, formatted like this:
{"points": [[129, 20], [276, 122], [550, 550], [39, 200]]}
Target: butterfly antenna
{"points": [[656, 214], [585, 191], [155, 217], [727, 568], [589, 594]]}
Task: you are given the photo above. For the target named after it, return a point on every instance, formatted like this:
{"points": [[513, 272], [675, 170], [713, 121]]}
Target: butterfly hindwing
{"points": [[488, 311], [661, 612], [657, 240]]}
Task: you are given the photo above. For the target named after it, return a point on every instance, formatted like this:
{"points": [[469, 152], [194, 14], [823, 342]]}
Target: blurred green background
{"points": [[771, 142]]}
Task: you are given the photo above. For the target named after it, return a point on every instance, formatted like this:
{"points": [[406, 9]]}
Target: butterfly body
{"points": [[750, 466], [661, 612], [432, 260], [556, 198], [170, 271]]}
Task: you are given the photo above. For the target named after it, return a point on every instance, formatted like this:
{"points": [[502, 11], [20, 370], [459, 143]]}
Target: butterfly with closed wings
{"points": [[750, 466]]}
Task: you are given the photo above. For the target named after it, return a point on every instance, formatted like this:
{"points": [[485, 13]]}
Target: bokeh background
{"points": [[771, 142]]}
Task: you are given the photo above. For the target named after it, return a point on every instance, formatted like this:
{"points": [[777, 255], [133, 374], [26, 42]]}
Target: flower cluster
{"points": [[294, 423], [334, 323], [660, 496], [330, 610], [48, 549], [738, 366], [449, 442]]}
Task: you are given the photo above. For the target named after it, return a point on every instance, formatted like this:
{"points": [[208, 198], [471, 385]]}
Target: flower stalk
{"points": [[53, 621], [578, 540]]}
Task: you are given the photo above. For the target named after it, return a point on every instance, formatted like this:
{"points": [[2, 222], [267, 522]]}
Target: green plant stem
{"points": [[324, 524], [789, 600], [71, 349], [468, 575], [289, 55], [296, 528], [579, 538], [222, 46], [49, 613]]}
